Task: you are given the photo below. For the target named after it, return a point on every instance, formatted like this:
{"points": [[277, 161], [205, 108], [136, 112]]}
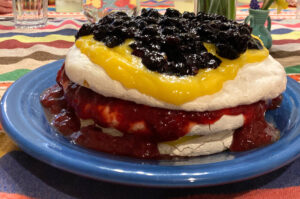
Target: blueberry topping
{"points": [[254, 44], [173, 43], [86, 29]]}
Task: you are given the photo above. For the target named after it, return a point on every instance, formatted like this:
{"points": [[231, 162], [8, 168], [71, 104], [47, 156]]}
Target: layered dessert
{"points": [[178, 84]]}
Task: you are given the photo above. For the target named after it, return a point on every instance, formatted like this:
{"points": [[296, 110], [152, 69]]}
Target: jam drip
{"points": [[128, 145], [68, 103], [255, 133], [63, 118]]}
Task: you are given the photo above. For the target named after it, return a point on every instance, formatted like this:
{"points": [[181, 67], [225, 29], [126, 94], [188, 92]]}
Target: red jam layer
{"points": [[68, 102]]}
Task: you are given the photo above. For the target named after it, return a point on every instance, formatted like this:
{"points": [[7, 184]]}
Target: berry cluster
{"points": [[173, 43]]}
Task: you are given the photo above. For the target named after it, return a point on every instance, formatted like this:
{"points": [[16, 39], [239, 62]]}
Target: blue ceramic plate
{"points": [[23, 119]]}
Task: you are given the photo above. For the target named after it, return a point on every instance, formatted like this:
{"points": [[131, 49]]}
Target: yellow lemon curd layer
{"points": [[122, 66]]}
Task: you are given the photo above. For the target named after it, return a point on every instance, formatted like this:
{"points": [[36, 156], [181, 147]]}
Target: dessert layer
{"points": [[253, 82], [131, 72], [200, 145]]}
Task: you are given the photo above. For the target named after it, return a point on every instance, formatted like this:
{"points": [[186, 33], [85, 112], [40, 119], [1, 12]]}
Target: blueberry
{"points": [[188, 15], [172, 13], [169, 30], [151, 30], [112, 41], [154, 13], [227, 51], [241, 44], [193, 60], [172, 40], [154, 61], [131, 31], [85, 29], [130, 23], [139, 52], [155, 47], [245, 29], [214, 62], [141, 23], [100, 33], [106, 20], [118, 22], [151, 20], [199, 47], [144, 12], [222, 36], [150, 13], [254, 44], [169, 22], [119, 14], [224, 26]]}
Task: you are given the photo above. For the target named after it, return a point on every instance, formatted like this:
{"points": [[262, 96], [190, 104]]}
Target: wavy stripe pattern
{"points": [[24, 49], [157, 4], [285, 47], [290, 13], [3, 86], [291, 35], [48, 38], [21, 52], [286, 42], [66, 32], [11, 44], [66, 26], [281, 31], [39, 56], [26, 63], [288, 25], [288, 61], [49, 26], [284, 54], [12, 76]]}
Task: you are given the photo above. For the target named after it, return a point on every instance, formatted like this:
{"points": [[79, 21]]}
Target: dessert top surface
{"points": [[136, 53], [173, 43]]}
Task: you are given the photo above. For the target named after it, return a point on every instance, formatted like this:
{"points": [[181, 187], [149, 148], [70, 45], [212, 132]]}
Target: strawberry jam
{"points": [[142, 126]]}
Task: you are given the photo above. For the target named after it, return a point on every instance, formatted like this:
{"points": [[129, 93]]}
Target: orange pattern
{"points": [[13, 196], [295, 77], [5, 84], [283, 193]]}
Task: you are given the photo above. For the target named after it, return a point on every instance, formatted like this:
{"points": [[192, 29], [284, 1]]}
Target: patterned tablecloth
{"points": [[24, 177]]}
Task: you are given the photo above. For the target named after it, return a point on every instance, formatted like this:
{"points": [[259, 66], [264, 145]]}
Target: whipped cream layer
{"points": [[254, 82]]}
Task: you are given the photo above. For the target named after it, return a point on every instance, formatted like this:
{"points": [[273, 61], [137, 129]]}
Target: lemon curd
{"points": [[122, 66]]}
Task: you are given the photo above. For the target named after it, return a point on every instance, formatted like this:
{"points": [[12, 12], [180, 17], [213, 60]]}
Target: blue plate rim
{"points": [[142, 173]]}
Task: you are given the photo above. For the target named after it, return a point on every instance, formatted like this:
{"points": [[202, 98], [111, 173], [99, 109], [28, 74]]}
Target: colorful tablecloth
{"points": [[290, 13], [23, 177]]}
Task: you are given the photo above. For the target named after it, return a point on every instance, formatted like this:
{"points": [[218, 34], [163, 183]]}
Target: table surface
{"points": [[23, 177]]}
